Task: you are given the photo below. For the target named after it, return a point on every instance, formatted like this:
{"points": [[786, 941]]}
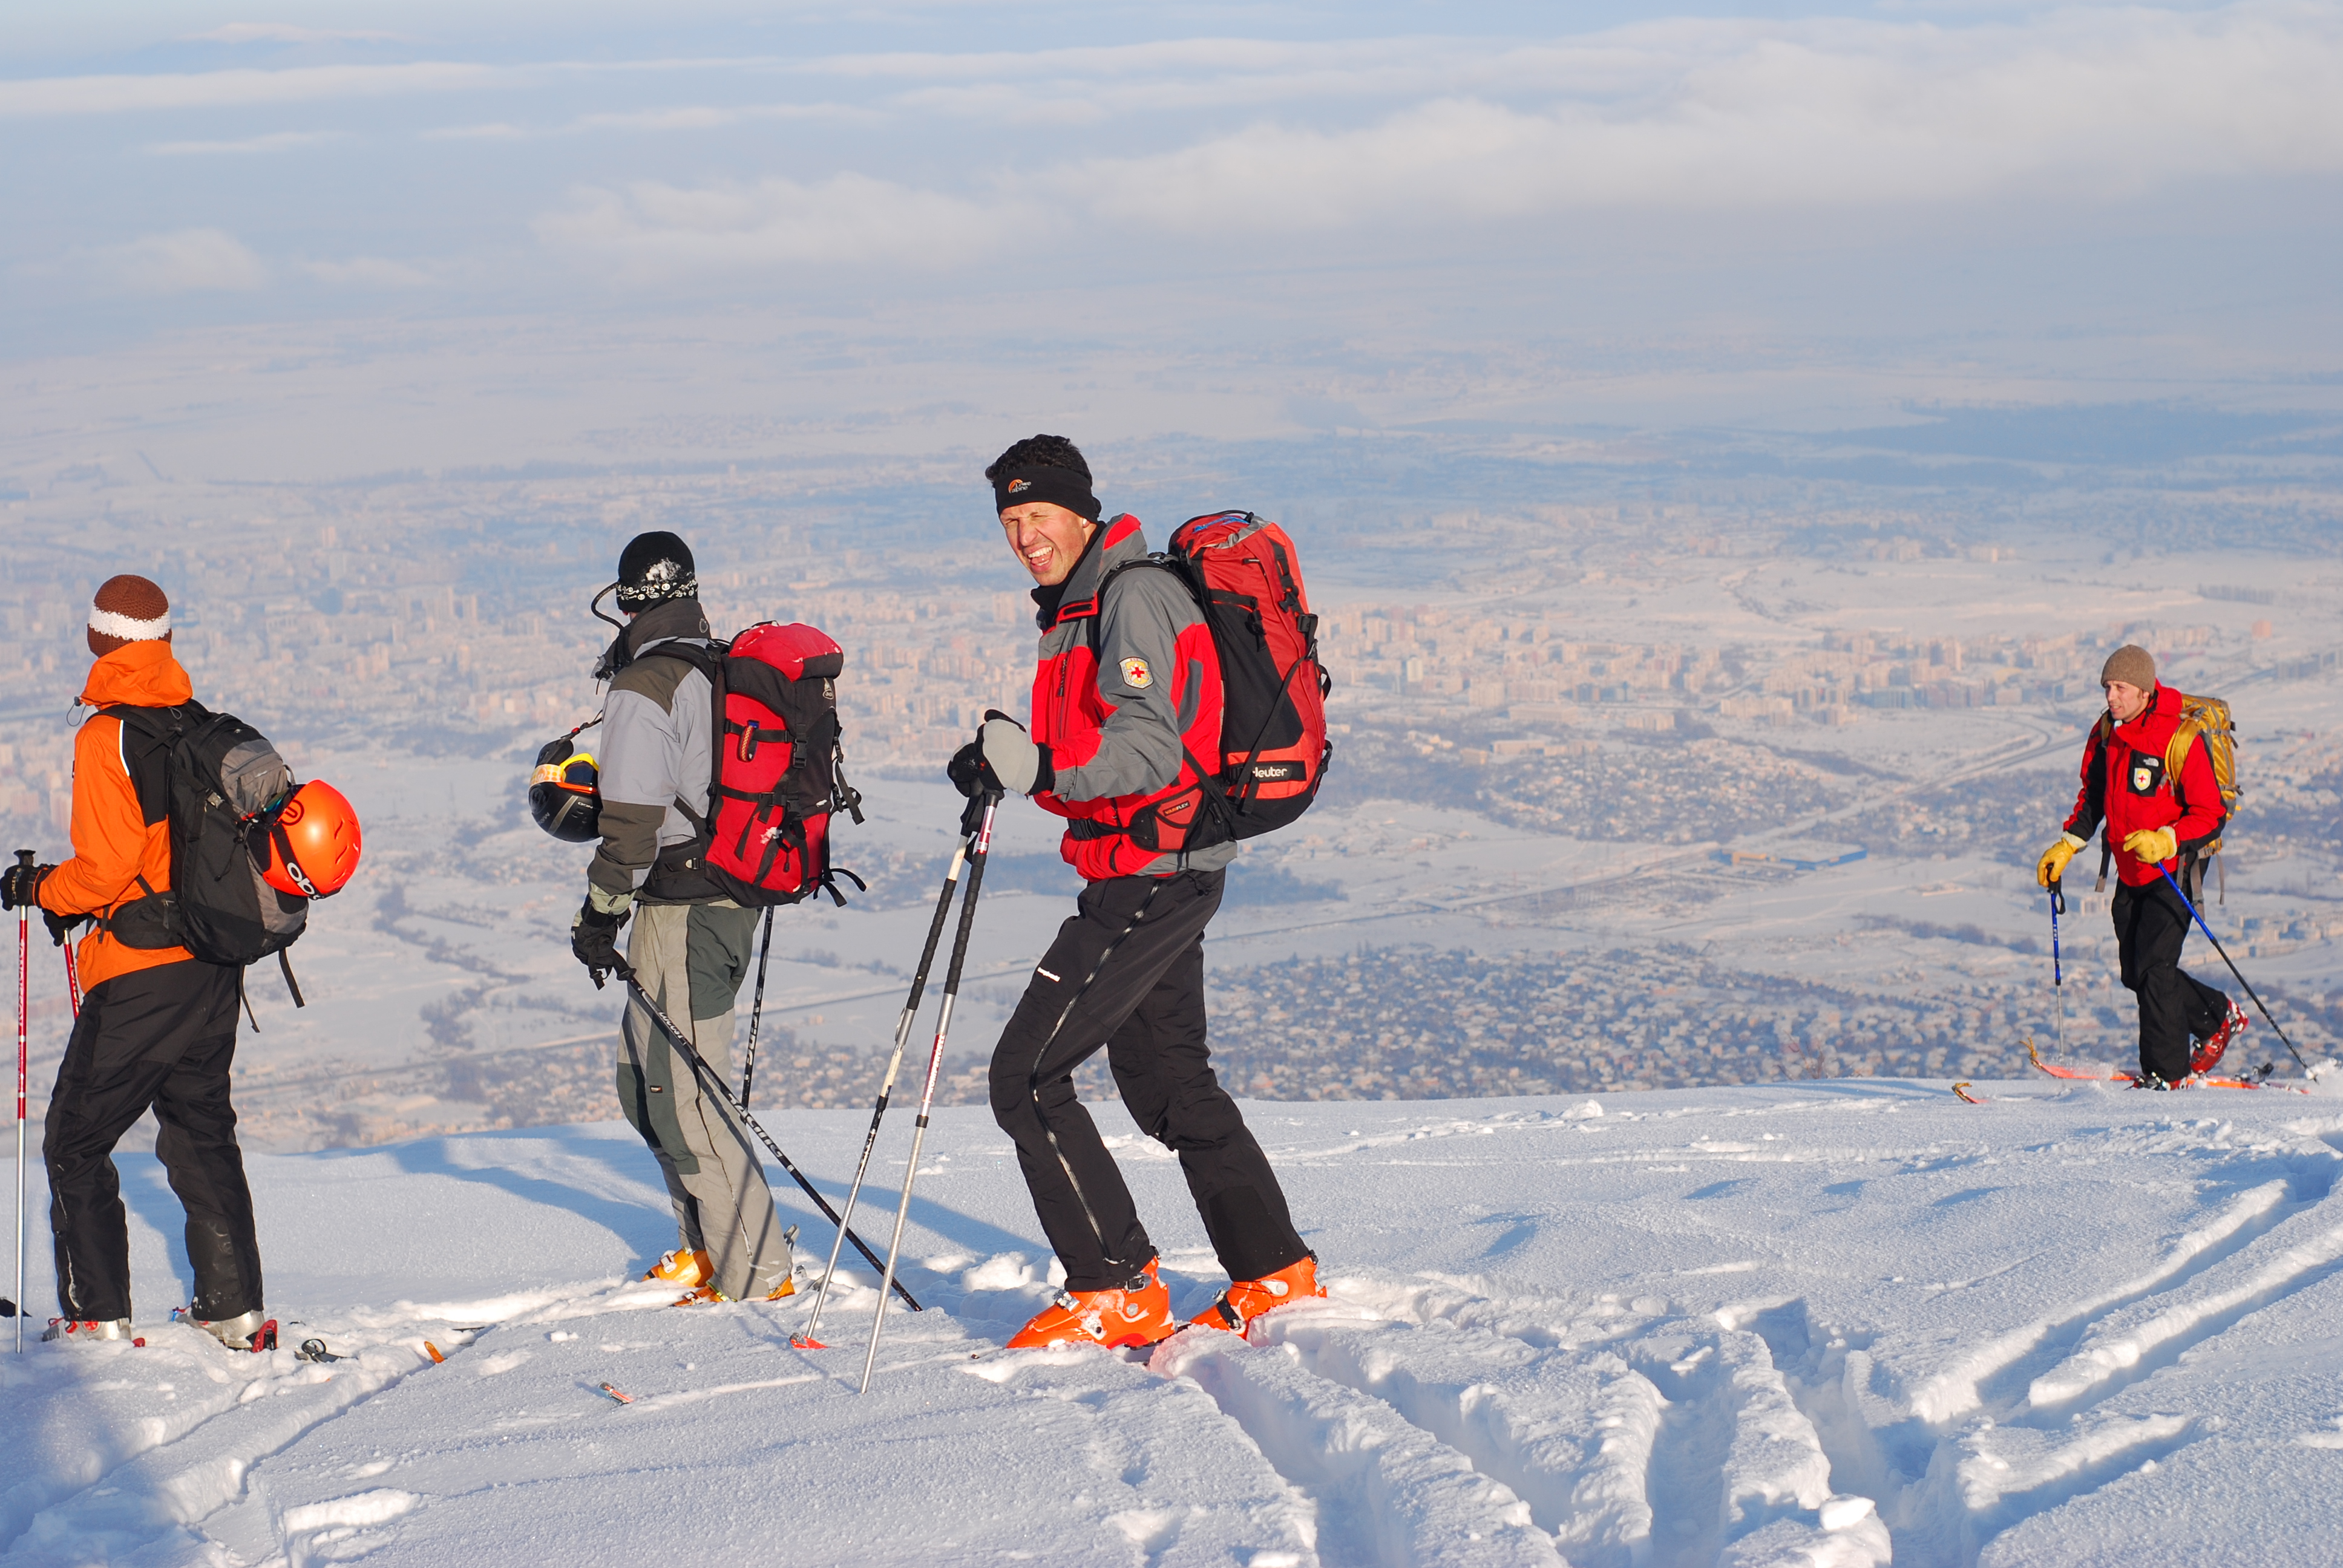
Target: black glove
{"points": [[20, 885], [60, 926], [594, 937], [969, 774]]}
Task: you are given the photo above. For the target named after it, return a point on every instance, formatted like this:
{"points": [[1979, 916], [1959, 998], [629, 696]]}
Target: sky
{"points": [[1742, 215]]}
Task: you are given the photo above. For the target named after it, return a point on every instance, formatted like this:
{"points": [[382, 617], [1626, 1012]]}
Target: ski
{"points": [[2195, 1081]]}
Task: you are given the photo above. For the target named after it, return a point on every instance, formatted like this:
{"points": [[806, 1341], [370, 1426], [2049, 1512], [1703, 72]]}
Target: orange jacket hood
{"points": [[139, 675]]}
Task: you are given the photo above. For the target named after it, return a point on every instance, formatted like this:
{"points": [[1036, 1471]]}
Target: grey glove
{"points": [[1012, 755]]}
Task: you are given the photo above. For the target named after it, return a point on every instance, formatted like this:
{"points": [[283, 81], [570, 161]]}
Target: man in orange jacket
{"points": [[157, 1027]]}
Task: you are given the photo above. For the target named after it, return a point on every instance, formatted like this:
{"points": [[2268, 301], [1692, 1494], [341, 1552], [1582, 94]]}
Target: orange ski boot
{"points": [[708, 1295], [1139, 1313], [1246, 1299], [683, 1267]]}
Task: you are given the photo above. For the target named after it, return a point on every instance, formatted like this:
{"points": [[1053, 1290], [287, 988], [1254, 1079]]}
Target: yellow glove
{"points": [[2154, 845], [2053, 864]]}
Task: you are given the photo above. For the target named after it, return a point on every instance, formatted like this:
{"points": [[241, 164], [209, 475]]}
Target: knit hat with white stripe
{"points": [[127, 609]]}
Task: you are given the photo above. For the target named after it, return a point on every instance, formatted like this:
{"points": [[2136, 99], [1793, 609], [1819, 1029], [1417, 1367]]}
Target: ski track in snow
{"points": [[1665, 1337]]}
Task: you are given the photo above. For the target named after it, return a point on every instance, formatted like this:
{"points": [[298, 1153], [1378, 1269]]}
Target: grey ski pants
{"points": [[691, 957]]}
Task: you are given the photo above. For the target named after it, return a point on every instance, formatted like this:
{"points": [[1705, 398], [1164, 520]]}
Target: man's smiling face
{"points": [[1047, 538]]}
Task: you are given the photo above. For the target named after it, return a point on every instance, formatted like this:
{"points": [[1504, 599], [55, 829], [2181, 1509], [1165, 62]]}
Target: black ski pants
{"points": [[162, 1037], [1127, 972], [2151, 924]]}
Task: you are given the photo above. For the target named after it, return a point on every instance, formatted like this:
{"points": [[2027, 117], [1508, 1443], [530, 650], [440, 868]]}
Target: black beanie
{"points": [[1058, 487], [653, 568]]}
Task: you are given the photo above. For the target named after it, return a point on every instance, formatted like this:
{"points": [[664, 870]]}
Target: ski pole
{"points": [[2233, 970], [73, 981], [709, 1081], [23, 1007], [805, 1340], [756, 1013], [977, 853], [2058, 976]]}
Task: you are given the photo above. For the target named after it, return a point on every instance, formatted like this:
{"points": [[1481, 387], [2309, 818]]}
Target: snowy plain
{"points": [[1828, 1324]]}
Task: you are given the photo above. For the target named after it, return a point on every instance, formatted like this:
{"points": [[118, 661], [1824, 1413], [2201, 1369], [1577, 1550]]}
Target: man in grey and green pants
{"points": [[690, 945]]}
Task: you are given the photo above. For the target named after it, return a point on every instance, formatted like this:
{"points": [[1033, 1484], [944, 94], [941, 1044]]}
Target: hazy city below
{"points": [[1640, 781]]}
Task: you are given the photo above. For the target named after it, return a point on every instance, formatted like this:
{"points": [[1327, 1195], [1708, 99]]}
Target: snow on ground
{"points": [[1810, 1326]]}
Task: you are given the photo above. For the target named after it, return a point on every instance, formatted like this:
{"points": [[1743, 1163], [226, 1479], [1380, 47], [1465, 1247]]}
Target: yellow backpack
{"points": [[2208, 717], [2199, 716]]}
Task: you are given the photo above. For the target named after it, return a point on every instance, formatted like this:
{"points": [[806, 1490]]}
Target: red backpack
{"points": [[1246, 577], [778, 775]]}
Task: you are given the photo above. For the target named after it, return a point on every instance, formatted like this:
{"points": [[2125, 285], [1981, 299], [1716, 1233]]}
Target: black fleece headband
{"points": [[1058, 487]]}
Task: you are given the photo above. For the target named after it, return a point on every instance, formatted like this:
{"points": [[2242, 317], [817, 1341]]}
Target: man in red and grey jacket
{"points": [[2156, 822], [1126, 697]]}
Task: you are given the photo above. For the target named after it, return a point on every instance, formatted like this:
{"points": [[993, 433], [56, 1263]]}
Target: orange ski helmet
{"points": [[311, 842]]}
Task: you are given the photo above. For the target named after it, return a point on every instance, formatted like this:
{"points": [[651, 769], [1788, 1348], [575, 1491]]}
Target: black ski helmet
{"points": [[565, 792], [653, 568]]}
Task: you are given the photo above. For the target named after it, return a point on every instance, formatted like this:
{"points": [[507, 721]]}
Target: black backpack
{"points": [[217, 780]]}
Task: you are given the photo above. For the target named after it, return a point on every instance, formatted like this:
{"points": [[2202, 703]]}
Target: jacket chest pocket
{"points": [[2144, 774]]}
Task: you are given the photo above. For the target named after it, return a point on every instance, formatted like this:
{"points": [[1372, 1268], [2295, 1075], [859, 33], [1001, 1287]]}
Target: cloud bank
{"points": [[1681, 116], [184, 260], [650, 228]]}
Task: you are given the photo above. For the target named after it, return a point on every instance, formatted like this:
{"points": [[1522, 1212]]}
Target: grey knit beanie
{"points": [[2131, 664]]}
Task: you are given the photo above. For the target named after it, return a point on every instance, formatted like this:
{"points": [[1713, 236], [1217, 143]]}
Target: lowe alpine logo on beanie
{"points": [[2132, 665], [653, 568], [1058, 487], [127, 609]]}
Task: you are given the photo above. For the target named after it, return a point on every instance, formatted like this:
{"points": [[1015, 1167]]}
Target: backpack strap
{"points": [[285, 962], [844, 796], [150, 768], [2185, 734], [680, 868], [146, 923]]}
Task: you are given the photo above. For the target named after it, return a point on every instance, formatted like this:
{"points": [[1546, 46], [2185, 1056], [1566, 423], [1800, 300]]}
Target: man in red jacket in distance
{"points": [[2156, 818]]}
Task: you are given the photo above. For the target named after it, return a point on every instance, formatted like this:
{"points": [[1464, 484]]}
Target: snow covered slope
{"points": [[1810, 1326]]}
